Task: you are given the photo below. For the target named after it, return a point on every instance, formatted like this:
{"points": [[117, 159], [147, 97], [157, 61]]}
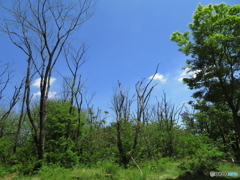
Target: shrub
{"points": [[166, 160], [53, 172], [3, 171], [204, 157], [110, 168], [163, 162]]}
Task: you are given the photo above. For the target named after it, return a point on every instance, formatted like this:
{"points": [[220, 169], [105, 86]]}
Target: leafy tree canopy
{"points": [[213, 43]]}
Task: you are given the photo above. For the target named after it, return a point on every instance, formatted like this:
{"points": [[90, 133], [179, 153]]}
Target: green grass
{"points": [[151, 170]]}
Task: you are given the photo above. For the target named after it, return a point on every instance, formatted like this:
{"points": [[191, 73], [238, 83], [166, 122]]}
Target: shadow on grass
{"points": [[202, 177]]}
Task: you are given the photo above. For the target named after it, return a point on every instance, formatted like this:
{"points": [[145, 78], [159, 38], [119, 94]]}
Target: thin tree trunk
{"points": [[124, 158]]}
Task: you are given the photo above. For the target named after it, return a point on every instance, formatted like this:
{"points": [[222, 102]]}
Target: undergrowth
{"points": [[165, 168]]}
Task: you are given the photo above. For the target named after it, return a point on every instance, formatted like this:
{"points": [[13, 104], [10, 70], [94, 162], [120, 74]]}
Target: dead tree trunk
{"points": [[143, 95], [118, 102], [121, 105]]}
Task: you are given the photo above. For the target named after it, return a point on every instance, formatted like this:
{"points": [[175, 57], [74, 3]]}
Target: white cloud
{"points": [[180, 79], [51, 94], [36, 94], [186, 74], [185, 103], [36, 83], [159, 77]]}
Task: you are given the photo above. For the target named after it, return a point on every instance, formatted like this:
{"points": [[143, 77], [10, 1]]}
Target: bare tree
{"points": [[166, 113], [143, 95], [5, 77], [73, 86], [118, 102], [90, 107], [64, 93], [14, 99], [75, 59], [41, 28], [25, 101], [122, 106], [167, 116]]}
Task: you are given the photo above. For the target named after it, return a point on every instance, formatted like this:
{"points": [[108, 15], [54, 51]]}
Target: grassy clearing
{"points": [[108, 171]]}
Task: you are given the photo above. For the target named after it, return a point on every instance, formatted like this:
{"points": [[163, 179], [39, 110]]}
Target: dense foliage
{"points": [[213, 44], [98, 143]]}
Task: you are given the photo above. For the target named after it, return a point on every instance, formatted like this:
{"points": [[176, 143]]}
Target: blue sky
{"points": [[126, 39]]}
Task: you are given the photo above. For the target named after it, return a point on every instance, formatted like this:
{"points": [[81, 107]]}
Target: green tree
{"points": [[59, 148], [213, 43], [216, 122]]}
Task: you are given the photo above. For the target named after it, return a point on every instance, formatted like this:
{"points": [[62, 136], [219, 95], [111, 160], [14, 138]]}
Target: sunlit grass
{"points": [[230, 167], [150, 170]]}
